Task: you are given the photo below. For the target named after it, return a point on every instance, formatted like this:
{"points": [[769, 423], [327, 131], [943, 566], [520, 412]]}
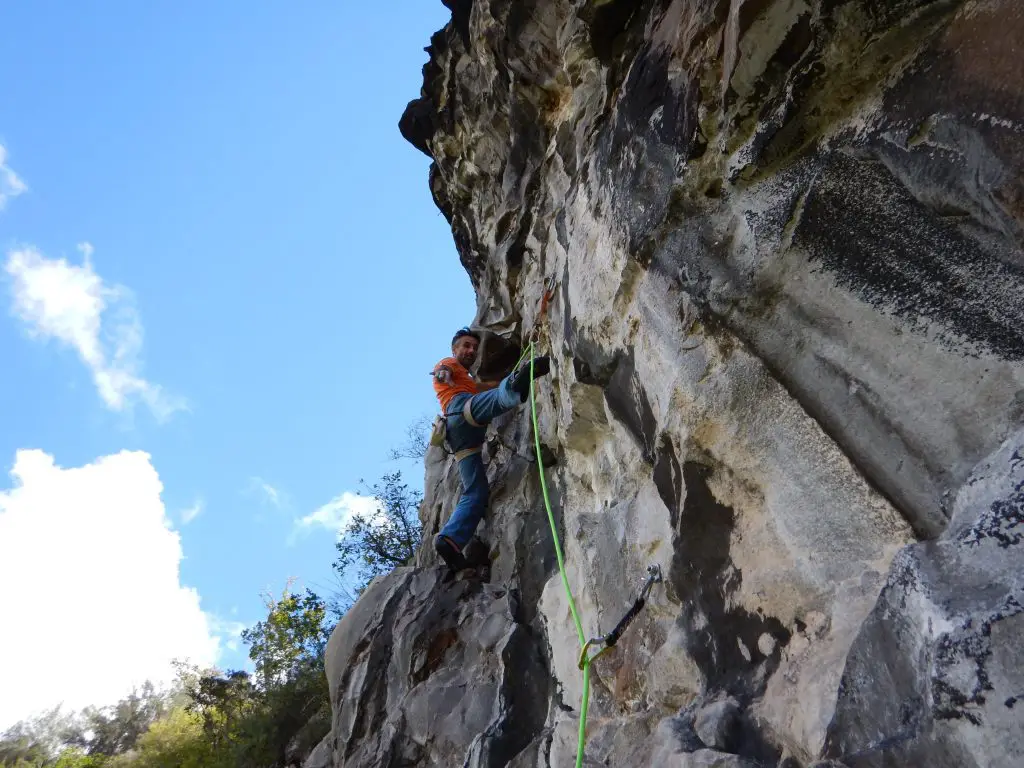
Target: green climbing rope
{"points": [[584, 704]]}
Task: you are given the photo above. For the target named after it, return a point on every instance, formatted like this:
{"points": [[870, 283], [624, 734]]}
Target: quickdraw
{"points": [[608, 641], [540, 321]]}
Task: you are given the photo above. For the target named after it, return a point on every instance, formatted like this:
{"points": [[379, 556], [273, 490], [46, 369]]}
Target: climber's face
{"points": [[464, 350]]}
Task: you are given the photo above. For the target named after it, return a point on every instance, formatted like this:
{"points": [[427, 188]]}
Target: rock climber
{"points": [[469, 405]]}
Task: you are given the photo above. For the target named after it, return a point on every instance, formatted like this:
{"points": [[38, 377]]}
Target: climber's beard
{"points": [[466, 359]]}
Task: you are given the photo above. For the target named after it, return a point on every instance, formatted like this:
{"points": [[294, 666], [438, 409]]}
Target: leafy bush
{"points": [[373, 544]]}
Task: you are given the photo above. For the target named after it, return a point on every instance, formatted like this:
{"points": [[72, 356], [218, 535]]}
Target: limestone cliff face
{"points": [[785, 239]]}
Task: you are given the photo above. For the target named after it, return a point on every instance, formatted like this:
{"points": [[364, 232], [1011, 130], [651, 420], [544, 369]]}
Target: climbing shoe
{"points": [[520, 383], [476, 553], [450, 553]]}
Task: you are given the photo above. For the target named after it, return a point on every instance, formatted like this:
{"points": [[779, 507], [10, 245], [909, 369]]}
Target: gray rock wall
{"points": [[787, 332]]}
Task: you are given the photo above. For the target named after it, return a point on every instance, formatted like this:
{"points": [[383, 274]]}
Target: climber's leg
{"points": [[489, 405], [472, 504], [512, 391]]}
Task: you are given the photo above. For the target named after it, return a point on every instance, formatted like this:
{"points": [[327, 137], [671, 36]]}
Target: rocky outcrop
{"points": [[787, 331], [417, 666], [322, 755], [936, 673]]}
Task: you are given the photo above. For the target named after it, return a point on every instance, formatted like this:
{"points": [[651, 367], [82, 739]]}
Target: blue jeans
{"points": [[463, 435]]}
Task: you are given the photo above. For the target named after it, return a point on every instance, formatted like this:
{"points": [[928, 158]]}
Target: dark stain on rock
{"points": [[498, 356], [736, 733], [645, 89], [650, 88], [565, 146], [653, 125], [475, 263], [1003, 523], [949, 701], [522, 720], [461, 10], [435, 653], [629, 403], [606, 21], [703, 577], [583, 372], [668, 478], [591, 364], [901, 257], [515, 255], [890, 719], [1017, 458], [504, 226], [439, 192], [561, 233], [796, 42], [748, 13], [568, 328]]}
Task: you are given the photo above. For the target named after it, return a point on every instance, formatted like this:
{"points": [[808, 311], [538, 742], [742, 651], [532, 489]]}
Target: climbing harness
{"points": [[609, 640], [467, 413], [439, 431]]}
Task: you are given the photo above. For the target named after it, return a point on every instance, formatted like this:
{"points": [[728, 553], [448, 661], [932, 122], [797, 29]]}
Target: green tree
{"points": [[115, 729], [287, 649], [177, 740], [249, 721], [74, 757], [38, 740], [221, 701], [293, 636], [379, 542]]}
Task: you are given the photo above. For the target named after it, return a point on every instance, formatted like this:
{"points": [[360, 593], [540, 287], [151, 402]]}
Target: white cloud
{"points": [[275, 497], [336, 514], [72, 304], [229, 631], [191, 513], [10, 185], [90, 586]]}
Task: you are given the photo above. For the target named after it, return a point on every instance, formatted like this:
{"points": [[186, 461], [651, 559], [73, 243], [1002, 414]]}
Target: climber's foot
{"points": [[476, 553], [450, 553], [521, 379]]}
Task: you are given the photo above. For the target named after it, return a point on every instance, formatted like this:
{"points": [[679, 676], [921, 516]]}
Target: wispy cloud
{"points": [[10, 184], [336, 514], [273, 496], [55, 299], [227, 631], [191, 513]]}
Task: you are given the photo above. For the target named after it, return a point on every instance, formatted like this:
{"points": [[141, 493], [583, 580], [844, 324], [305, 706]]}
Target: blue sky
{"points": [[274, 279]]}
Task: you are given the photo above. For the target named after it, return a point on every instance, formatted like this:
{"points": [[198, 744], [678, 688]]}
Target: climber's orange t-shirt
{"points": [[461, 382]]}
